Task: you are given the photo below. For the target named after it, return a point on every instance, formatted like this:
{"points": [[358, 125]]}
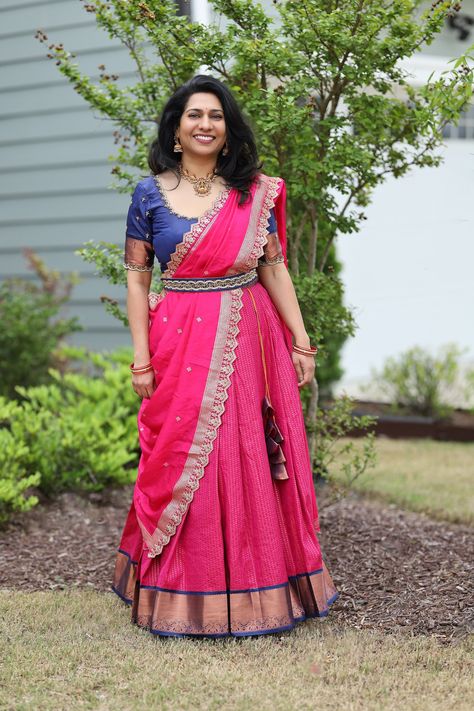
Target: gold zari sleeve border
{"points": [[137, 267]]}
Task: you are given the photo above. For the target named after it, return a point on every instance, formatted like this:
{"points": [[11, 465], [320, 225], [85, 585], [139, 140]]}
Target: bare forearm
{"points": [[137, 309], [277, 281]]}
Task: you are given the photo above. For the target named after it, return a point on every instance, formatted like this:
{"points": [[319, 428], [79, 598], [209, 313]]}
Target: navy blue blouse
{"points": [[157, 227]]}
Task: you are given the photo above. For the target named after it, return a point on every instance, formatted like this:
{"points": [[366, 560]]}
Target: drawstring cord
{"points": [[264, 363]]}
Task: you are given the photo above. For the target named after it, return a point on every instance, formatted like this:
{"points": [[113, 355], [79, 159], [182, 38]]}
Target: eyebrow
{"points": [[195, 109]]}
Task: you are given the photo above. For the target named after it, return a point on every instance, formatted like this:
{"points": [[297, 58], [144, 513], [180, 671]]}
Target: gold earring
{"points": [[178, 148], [225, 150]]}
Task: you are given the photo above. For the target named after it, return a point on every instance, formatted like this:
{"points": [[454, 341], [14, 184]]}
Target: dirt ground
{"points": [[395, 570]]}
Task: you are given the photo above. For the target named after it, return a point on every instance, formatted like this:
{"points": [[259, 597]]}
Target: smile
{"points": [[203, 139]]}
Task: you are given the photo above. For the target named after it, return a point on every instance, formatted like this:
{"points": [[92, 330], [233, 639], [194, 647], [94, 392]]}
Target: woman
{"points": [[221, 536]]}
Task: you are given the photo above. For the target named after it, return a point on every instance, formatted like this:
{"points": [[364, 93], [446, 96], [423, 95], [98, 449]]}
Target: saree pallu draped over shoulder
{"points": [[192, 350]]}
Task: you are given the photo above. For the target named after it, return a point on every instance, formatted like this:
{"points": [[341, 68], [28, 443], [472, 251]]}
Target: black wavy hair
{"points": [[239, 167]]}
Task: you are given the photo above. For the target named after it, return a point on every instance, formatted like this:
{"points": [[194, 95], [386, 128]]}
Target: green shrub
{"points": [[76, 433], [31, 330], [418, 381], [333, 423], [14, 479]]}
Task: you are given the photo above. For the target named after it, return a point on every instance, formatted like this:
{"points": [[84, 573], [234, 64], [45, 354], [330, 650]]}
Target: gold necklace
{"points": [[202, 186]]}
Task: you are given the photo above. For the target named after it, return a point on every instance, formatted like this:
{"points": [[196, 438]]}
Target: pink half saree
{"points": [[221, 536]]}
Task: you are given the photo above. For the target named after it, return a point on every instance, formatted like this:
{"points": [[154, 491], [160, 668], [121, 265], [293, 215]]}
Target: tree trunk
{"points": [[293, 261], [313, 241], [311, 417]]}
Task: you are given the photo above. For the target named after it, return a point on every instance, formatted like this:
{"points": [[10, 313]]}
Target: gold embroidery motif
{"points": [[137, 267], [213, 283], [264, 262], [164, 197]]}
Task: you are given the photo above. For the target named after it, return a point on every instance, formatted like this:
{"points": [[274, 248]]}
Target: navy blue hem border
{"points": [[229, 592], [256, 633]]}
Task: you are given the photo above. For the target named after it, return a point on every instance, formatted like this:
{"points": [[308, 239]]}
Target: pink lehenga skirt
{"points": [[245, 559]]}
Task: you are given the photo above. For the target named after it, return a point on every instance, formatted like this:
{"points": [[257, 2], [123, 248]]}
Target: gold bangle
{"points": [[312, 350], [141, 369]]}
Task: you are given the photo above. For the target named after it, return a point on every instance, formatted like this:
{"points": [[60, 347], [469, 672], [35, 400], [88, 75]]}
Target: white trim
{"points": [[200, 11], [421, 66]]}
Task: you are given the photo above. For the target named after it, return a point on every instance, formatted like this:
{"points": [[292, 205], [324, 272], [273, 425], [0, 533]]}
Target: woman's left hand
{"points": [[305, 368]]}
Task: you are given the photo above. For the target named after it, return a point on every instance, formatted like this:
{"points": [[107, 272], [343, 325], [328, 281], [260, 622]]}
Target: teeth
{"points": [[204, 138]]}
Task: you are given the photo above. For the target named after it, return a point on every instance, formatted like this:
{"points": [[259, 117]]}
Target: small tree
{"points": [[333, 110]]}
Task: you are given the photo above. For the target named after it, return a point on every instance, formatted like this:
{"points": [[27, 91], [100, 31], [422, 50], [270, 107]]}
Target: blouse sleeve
{"points": [[272, 252], [139, 254]]}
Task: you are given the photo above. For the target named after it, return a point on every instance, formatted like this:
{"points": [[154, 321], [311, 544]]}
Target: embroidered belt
{"points": [[233, 281]]}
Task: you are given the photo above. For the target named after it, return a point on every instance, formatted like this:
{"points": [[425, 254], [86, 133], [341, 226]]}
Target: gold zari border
{"points": [[224, 613], [137, 267]]}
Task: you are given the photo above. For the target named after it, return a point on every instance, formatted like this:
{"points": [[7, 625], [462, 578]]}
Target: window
{"points": [[464, 128], [184, 7]]}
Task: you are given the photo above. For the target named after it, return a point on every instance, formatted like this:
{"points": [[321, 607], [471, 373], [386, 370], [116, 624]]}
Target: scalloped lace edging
{"points": [[263, 221]]}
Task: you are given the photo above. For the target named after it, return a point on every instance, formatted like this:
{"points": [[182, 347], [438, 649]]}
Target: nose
{"points": [[205, 122]]}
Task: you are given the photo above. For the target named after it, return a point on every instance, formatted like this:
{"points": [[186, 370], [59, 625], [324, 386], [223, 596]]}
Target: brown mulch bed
{"points": [[395, 570], [399, 570]]}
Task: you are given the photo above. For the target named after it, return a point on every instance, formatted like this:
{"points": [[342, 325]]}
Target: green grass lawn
{"points": [[422, 475], [79, 650]]}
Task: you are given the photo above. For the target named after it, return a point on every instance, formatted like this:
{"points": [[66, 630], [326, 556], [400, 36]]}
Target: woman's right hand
{"points": [[144, 384]]}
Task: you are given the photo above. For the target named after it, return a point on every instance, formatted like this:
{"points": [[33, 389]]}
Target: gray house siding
{"points": [[54, 168]]}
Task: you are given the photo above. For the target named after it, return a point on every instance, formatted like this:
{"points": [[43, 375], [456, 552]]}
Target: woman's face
{"points": [[202, 129]]}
